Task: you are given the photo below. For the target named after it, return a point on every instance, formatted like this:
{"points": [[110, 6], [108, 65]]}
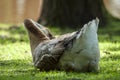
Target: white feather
{"points": [[85, 50]]}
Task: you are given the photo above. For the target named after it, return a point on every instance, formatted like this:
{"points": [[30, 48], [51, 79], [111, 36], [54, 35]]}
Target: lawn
{"points": [[16, 61]]}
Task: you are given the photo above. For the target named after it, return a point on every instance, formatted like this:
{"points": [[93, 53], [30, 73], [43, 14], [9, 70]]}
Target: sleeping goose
{"points": [[76, 51]]}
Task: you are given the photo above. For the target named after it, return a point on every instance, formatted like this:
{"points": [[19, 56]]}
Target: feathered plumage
{"points": [[77, 51]]}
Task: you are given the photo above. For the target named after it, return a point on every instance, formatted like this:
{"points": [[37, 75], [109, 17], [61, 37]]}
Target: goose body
{"points": [[77, 51]]}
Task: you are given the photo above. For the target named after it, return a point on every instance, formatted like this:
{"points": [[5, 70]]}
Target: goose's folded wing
{"points": [[47, 55]]}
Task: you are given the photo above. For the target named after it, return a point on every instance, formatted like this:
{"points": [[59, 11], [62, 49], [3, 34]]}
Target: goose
{"points": [[77, 51]]}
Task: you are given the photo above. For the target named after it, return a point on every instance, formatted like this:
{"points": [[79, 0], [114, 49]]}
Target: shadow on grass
{"points": [[15, 68], [24, 70], [17, 62]]}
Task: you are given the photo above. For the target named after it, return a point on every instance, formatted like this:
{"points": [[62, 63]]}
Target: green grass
{"points": [[16, 60]]}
